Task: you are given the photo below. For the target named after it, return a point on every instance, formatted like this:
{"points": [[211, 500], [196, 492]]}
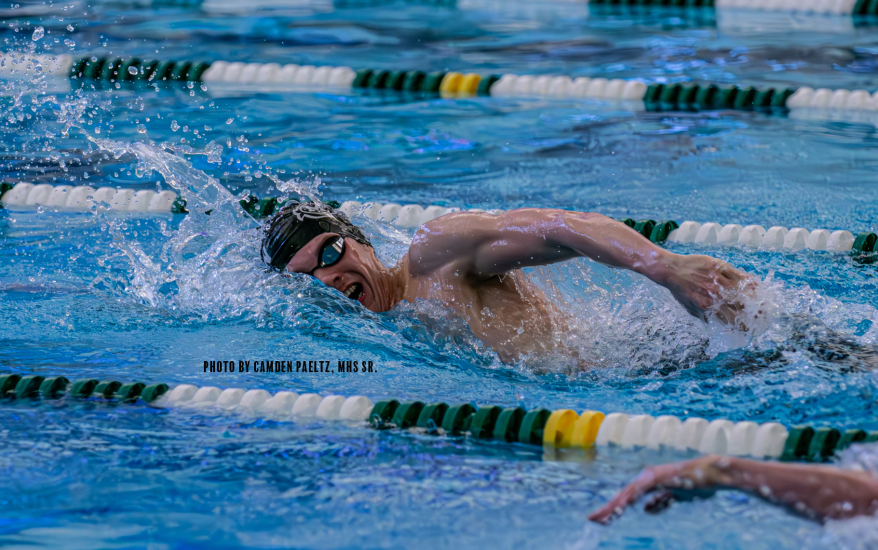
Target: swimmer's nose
{"points": [[331, 280]]}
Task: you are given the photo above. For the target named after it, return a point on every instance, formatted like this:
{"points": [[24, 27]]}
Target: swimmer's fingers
{"points": [[731, 317], [731, 272], [641, 485], [740, 281], [731, 277]]}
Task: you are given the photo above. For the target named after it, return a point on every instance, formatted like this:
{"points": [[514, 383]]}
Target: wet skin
{"points": [[815, 491], [471, 262]]}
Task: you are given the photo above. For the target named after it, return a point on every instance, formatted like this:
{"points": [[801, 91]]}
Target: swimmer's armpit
{"points": [[815, 491]]}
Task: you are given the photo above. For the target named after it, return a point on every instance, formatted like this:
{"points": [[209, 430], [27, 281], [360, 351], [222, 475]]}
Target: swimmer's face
{"points": [[352, 275]]}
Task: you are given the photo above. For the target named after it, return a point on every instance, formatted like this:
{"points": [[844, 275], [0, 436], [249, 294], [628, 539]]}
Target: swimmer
{"points": [[471, 262], [816, 491]]}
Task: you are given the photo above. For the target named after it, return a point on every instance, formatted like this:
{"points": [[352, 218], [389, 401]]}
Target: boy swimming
{"points": [[471, 262]]}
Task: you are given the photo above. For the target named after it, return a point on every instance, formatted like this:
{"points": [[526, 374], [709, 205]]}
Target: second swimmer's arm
{"points": [[819, 491]]}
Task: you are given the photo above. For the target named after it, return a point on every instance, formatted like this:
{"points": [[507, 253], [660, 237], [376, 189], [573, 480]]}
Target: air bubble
{"points": [[39, 32], [70, 28], [141, 129], [132, 70]]}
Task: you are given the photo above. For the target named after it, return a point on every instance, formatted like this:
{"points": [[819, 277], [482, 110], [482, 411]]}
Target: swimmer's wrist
{"points": [[657, 266]]}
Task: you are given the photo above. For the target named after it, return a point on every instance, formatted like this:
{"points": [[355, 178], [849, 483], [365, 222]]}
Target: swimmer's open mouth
{"points": [[354, 291]]}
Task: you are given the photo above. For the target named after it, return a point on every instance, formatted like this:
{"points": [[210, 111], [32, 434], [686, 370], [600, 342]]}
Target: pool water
{"points": [[153, 297]]}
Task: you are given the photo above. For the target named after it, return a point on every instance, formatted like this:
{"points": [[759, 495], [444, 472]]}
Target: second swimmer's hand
{"points": [[698, 473], [701, 283]]}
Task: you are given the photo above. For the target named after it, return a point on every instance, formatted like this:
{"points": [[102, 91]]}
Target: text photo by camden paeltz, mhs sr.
{"points": [[342, 366]]}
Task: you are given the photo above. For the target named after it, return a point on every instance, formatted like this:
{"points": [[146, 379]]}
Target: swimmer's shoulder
{"points": [[449, 242]]}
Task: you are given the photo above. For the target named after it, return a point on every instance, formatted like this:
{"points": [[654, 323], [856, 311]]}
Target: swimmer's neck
{"points": [[390, 283]]}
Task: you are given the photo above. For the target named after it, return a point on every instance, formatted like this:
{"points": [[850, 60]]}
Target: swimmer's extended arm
{"points": [[481, 246], [817, 491]]}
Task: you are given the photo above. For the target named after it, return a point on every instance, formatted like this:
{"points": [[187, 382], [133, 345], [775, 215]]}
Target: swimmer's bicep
{"points": [[483, 245], [525, 237]]}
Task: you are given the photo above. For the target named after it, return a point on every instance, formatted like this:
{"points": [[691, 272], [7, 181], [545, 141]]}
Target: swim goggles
{"points": [[330, 253]]}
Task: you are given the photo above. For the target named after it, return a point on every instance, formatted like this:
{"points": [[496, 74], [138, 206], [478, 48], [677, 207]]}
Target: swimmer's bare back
{"points": [[471, 262]]}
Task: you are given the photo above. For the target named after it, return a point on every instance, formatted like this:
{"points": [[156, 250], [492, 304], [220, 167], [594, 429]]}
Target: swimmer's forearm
{"points": [[613, 243], [697, 282], [821, 491]]}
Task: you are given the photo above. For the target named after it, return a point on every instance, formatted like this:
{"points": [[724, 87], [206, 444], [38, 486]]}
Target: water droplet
{"points": [[70, 28], [132, 70], [141, 129], [39, 32], [174, 125], [229, 121]]}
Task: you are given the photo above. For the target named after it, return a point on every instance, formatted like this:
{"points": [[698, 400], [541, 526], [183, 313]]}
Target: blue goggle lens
{"points": [[331, 252]]}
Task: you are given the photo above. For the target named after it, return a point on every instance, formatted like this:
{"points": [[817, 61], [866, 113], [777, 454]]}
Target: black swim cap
{"points": [[296, 224]]}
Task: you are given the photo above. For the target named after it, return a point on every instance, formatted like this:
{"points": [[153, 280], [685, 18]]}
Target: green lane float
{"points": [[432, 415], [457, 419], [484, 420], [508, 424], [407, 414]]}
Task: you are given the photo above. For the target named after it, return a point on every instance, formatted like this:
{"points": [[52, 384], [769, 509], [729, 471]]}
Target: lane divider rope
{"points": [[562, 428], [84, 197], [655, 97], [80, 198]]}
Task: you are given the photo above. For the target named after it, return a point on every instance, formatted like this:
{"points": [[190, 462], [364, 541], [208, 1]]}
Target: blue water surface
{"points": [[132, 297]]}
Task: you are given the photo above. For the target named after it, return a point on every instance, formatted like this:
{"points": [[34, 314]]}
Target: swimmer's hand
{"points": [[702, 283], [698, 473]]}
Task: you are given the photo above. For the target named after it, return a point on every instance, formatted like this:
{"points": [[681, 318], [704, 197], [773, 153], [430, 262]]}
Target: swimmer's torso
{"points": [[508, 313]]}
